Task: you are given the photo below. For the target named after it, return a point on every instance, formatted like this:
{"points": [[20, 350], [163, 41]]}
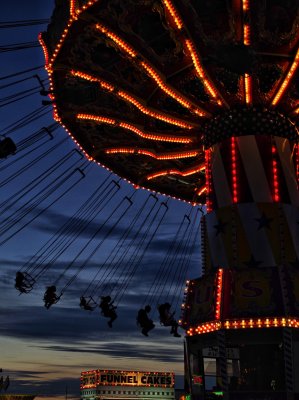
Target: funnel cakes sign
{"points": [[126, 378]]}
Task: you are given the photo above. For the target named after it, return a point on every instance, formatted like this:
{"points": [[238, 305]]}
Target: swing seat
{"points": [[25, 284], [29, 280], [49, 301], [90, 304]]}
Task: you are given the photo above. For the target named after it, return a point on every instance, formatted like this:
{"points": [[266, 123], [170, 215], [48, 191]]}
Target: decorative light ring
{"points": [[248, 121], [248, 323]]}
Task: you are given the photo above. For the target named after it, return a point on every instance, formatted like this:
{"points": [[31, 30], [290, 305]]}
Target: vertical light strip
{"points": [[248, 88], [247, 42], [219, 284], [245, 5], [246, 26], [276, 196], [234, 173], [297, 162], [204, 243], [208, 179], [73, 8], [246, 34]]}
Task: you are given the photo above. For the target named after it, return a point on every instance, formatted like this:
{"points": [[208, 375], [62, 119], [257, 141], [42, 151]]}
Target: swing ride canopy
{"points": [[144, 87]]}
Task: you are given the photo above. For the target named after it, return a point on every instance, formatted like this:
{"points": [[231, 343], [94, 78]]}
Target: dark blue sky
{"points": [[45, 350]]}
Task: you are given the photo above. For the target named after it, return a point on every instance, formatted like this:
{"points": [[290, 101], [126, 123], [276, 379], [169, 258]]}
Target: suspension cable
{"points": [[126, 281], [118, 247], [24, 144], [187, 262], [120, 262], [19, 46], [74, 276], [17, 24], [183, 246], [30, 204], [112, 272], [160, 275], [21, 193], [77, 231], [91, 239], [16, 82], [21, 72], [64, 228], [18, 96], [49, 205], [33, 162], [173, 261], [27, 119], [41, 133]]}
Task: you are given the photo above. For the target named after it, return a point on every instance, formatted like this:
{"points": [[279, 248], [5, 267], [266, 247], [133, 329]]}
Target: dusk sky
{"points": [[44, 351]]}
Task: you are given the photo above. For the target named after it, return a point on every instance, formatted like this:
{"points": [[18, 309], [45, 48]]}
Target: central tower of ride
{"points": [[242, 313]]}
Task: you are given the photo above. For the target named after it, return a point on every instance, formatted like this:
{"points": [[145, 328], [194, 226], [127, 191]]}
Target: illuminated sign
{"points": [[126, 378], [88, 379]]}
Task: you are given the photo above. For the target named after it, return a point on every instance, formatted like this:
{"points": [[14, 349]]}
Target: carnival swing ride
{"points": [[197, 100]]}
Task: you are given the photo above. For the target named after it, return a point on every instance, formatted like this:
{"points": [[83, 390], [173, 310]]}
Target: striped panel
{"points": [[285, 152], [281, 269], [259, 243], [265, 168], [204, 251], [221, 185], [288, 359], [284, 289], [272, 233], [252, 235], [292, 274], [234, 237], [222, 359], [291, 232], [215, 246], [243, 250], [254, 169]]}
